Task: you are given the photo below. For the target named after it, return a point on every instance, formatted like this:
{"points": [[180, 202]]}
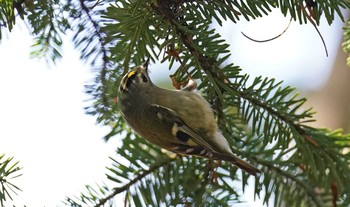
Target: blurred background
{"points": [[44, 126]]}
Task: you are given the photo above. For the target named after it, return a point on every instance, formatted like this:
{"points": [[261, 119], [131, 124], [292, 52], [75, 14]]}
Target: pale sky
{"points": [[43, 124]]}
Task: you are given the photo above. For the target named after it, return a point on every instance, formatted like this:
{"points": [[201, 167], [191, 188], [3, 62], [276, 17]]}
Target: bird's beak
{"points": [[145, 65]]}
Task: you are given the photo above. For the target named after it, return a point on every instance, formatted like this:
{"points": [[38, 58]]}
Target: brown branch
{"points": [[334, 190]]}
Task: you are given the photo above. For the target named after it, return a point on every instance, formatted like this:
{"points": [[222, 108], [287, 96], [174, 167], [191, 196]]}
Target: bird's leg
{"points": [[169, 154], [191, 85]]}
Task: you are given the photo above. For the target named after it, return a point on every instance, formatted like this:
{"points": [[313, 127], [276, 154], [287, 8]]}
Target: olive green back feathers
{"points": [[177, 120]]}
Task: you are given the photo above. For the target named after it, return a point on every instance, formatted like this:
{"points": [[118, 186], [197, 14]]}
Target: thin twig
{"points": [[315, 26], [273, 38]]}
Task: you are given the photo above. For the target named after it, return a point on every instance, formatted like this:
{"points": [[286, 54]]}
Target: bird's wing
{"points": [[181, 130], [193, 142]]}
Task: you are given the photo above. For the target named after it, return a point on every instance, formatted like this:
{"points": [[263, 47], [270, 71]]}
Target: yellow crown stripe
{"points": [[131, 73]]}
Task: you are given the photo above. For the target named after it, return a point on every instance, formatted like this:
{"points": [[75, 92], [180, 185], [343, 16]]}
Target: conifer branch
{"points": [[135, 180], [280, 116], [311, 192], [103, 49]]}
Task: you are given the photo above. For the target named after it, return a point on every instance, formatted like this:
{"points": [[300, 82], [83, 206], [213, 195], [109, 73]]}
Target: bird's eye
{"points": [[129, 80], [144, 78]]}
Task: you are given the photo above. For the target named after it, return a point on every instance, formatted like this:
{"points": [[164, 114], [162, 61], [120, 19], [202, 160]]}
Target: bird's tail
{"points": [[229, 156], [249, 168]]}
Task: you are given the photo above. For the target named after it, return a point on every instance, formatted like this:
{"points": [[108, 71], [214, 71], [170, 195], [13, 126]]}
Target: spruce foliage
{"points": [[266, 121], [9, 170]]}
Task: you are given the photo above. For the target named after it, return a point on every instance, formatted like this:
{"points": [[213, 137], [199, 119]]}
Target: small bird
{"points": [[180, 121]]}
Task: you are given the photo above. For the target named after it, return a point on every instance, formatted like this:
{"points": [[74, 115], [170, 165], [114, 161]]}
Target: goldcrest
{"points": [[181, 121]]}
